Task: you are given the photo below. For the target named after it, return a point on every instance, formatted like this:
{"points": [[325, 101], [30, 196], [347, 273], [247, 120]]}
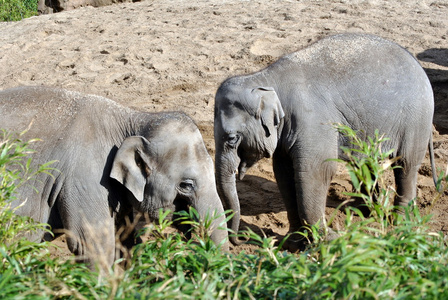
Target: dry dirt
{"points": [[172, 55]]}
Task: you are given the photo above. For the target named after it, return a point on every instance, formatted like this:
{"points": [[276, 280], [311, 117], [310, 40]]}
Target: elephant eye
{"points": [[186, 186], [232, 139]]}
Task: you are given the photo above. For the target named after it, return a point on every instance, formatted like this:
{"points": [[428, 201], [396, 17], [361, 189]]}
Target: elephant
{"points": [[110, 161], [287, 112]]}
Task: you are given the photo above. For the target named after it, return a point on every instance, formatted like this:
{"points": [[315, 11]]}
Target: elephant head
{"points": [[246, 129], [169, 167]]}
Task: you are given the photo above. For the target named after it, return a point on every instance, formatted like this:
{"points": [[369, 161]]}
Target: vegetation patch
{"points": [[16, 10], [390, 254]]}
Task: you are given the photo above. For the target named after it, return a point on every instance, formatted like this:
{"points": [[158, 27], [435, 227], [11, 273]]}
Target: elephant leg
{"points": [[93, 244], [90, 233], [284, 175], [406, 183], [312, 187], [304, 194]]}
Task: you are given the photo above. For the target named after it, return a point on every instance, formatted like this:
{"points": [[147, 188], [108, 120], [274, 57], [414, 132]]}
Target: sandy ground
{"points": [[172, 55]]}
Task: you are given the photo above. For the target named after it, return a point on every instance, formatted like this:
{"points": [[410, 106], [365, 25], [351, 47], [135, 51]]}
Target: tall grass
{"points": [[371, 259], [18, 255]]}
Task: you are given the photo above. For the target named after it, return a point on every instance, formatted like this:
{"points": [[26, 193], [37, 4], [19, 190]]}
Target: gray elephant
{"points": [[286, 112], [110, 159]]}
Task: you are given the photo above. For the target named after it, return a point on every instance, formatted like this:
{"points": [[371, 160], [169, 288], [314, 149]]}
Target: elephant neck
{"points": [[137, 122]]}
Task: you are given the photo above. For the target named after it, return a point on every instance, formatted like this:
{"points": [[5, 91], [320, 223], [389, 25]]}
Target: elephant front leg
{"points": [[284, 175], [93, 242], [311, 187]]}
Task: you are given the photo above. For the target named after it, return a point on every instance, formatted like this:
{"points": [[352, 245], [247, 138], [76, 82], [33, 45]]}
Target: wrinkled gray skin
{"points": [[286, 112], [110, 159]]}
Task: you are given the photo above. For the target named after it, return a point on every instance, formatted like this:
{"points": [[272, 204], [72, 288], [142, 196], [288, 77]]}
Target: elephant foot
{"points": [[295, 243], [331, 235], [364, 211]]}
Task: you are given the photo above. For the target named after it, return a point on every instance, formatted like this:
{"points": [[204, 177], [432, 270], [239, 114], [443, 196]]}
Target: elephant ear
{"points": [[131, 165], [270, 110]]}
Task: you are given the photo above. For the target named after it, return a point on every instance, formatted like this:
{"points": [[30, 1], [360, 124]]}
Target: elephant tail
{"points": [[236, 241], [433, 166]]}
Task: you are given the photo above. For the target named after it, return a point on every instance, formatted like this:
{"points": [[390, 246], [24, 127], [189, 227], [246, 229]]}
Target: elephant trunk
{"points": [[213, 207], [226, 185]]}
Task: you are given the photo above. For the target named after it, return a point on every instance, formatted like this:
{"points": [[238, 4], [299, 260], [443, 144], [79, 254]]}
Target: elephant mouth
{"points": [[242, 169], [244, 166], [179, 204], [246, 162], [154, 216], [182, 203]]}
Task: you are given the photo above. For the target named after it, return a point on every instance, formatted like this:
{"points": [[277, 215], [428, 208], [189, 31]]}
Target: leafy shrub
{"points": [[18, 255], [15, 171], [16, 10], [371, 259]]}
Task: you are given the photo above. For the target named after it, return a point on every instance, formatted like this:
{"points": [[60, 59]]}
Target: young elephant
{"points": [[110, 159], [286, 111]]}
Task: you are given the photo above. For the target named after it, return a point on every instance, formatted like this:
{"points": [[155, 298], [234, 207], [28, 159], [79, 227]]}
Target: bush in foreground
{"points": [[372, 259]]}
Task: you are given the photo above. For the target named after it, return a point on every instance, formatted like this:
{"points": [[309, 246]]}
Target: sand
{"points": [[172, 55]]}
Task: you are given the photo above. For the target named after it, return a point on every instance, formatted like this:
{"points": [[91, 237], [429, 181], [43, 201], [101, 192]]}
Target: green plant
{"points": [[404, 260], [366, 164], [18, 255], [15, 171], [16, 10]]}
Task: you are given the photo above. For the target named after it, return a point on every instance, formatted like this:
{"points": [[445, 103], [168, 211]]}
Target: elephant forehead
{"points": [[232, 117], [187, 160], [182, 146], [234, 105], [175, 133]]}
